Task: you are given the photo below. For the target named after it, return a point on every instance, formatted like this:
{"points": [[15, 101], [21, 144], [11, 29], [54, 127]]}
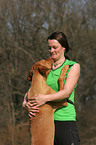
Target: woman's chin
{"points": [[53, 57]]}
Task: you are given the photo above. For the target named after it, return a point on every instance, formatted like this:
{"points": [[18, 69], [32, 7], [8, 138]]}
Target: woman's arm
{"points": [[70, 83]]}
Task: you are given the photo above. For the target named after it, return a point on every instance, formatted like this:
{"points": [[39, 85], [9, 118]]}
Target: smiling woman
{"points": [[56, 51], [64, 118]]}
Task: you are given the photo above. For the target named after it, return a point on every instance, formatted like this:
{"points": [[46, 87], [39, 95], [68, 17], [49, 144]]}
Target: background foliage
{"points": [[24, 27]]}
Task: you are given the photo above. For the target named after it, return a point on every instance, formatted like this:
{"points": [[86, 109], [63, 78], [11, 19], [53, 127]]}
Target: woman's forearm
{"points": [[63, 94]]}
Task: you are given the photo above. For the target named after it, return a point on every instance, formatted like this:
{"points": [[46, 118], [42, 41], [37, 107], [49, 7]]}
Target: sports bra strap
{"points": [[69, 101]]}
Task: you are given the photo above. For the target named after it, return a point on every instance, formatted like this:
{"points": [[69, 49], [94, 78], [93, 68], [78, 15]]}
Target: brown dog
{"points": [[42, 126]]}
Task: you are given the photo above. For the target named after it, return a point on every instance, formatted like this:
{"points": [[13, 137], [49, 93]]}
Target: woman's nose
{"points": [[51, 49]]}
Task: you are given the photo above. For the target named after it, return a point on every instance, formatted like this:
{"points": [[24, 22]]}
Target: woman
{"points": [[64, 118]]}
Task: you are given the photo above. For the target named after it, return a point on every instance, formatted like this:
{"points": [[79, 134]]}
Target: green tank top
{"points": [[67, 113]]}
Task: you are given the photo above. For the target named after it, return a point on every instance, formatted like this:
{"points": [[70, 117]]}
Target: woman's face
{"points": [[56, 50]]}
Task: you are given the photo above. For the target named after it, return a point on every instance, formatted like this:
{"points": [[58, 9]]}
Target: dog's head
{"points": [[43, 66]]}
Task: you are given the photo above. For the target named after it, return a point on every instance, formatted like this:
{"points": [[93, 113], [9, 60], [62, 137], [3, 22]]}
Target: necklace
{"points": [[58, 63]]}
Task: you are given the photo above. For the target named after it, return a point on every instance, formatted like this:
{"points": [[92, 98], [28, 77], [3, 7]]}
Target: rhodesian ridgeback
{"points": [[42, 125]]}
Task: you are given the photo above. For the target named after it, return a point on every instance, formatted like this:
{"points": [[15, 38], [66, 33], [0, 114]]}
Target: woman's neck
{"points": [[58, 63]]}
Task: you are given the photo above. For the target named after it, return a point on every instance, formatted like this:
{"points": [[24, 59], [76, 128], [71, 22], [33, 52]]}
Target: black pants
{"points": [[66, 133]]}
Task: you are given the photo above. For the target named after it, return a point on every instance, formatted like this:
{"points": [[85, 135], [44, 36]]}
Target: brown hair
{"points": [[61, 38]]}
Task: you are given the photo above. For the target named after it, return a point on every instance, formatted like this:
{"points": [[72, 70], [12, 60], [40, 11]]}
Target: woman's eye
{"points": [[52, 47]]}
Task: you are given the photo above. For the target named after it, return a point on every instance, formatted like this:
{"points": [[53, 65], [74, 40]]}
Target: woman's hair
{"points": [[61, 38]]}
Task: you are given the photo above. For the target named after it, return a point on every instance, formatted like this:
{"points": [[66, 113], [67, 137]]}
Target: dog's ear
{"points": [[43, 66], [43, 70], [34, 67], [49, 61], [46, 63], [29, 77]]}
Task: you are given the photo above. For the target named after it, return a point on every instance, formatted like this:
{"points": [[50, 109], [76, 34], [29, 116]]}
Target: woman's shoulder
{"points": [[70, 62], [73, 65]]}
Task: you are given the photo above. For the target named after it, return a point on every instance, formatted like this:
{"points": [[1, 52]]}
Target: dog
{"points": [[42, 125]]}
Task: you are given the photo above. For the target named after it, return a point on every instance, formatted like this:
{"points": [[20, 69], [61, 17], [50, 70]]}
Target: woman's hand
{"points": [[34, 103], [39, 100], [32, 108]]}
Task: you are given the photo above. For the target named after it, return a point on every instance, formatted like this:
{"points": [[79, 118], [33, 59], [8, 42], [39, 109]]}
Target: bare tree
{"points": [[24, 27]]}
